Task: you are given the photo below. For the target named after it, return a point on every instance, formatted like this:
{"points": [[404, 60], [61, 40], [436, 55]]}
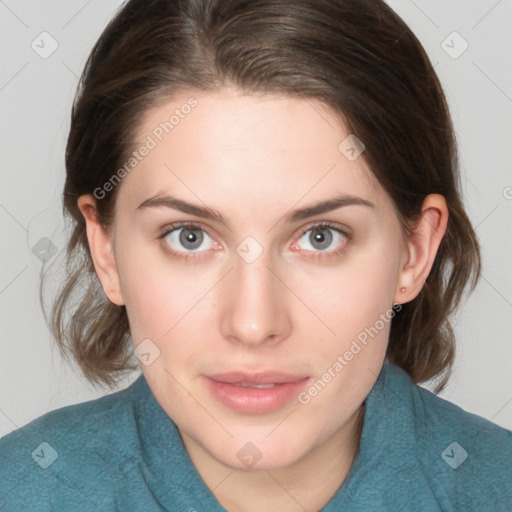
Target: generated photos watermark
{"points": [[356, 346]]}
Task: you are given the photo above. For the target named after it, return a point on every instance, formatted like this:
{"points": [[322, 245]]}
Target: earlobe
{"points": [[422, 246], [100, 245]]}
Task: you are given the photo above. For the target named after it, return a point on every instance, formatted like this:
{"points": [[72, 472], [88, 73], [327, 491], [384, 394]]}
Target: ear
{"points": [[422, 246], [102, 252]]}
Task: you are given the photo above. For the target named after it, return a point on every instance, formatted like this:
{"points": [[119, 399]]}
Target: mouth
{"points": [[254, 386], [255, 393]]}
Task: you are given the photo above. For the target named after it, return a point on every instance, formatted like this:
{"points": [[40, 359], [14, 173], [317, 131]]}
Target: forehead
{"points": [[246, 150]]}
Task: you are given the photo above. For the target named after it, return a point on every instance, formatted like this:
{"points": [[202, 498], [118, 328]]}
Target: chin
{"points": [[255, 453]]}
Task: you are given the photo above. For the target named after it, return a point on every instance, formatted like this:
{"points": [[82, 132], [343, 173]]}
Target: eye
{"points": [[186, 238], [323, 238], [183, 239]]}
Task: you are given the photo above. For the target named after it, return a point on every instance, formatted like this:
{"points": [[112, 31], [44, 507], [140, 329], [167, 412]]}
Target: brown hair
{"points": [[357, 56]]}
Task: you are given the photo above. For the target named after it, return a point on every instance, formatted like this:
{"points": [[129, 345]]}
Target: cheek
{"points": [[162, 296], [350, 299], [356, 305]]}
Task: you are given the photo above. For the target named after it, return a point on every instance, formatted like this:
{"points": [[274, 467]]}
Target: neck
{"points": [[308, 484]]}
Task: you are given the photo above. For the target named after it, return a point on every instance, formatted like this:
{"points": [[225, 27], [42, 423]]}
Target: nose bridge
{"points": [[254, 311]]}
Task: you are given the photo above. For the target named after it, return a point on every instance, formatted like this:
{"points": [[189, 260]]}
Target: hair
{"points": [[356, 56]]}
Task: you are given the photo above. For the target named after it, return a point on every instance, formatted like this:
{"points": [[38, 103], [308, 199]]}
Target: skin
{"points": [[296, 308]]}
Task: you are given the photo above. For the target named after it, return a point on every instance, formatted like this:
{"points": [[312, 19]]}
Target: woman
{"points": [[266, 204]]}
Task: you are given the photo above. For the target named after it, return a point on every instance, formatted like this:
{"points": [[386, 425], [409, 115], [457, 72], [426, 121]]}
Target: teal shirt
{"points": [[122, 452]]}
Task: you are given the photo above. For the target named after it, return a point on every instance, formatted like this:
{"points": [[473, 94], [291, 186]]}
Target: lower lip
{"points": [[254, 400]]}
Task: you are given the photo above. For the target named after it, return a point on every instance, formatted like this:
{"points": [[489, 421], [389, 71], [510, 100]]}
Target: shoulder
{"points": [[466, 459], [65, 448]]}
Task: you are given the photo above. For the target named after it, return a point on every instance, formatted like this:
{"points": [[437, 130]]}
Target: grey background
{"points": [[35, 98]]}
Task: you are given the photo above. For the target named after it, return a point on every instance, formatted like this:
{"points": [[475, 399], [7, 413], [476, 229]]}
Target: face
{"points": [[267, 284]]}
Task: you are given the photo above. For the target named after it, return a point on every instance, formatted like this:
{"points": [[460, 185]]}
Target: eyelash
{"points": [[179, 255]]}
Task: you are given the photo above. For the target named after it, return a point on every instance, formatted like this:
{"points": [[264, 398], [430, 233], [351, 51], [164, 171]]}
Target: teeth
{"points": [[257, 386]]}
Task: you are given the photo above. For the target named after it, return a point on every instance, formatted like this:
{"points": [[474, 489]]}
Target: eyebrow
{"points": [[167, 201]]}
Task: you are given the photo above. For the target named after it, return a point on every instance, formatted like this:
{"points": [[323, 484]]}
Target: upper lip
{"points": [[266, 377]]}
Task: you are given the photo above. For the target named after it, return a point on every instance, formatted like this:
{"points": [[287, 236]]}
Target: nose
{"points": [[254, 306]]}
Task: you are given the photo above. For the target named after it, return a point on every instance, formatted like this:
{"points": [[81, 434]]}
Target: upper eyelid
{"points": [[169, 228], [327, 224]]}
